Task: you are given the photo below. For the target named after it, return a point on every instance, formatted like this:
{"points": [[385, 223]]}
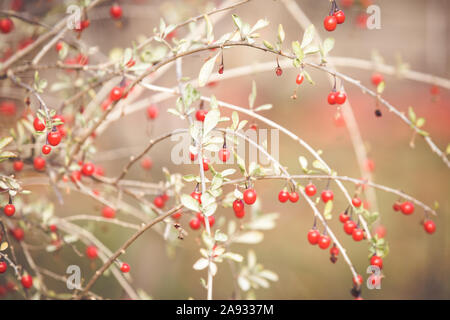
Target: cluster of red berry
{"points": [[335, 17], [284, 196], [160, 201], [337, 97], [407, 208]]}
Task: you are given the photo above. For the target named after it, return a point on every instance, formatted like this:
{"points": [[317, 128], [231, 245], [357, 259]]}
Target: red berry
{"points": [[108, 212], [59, 46], [397, 206], [205, 164], [283, 196], [116, 93], [54, 138], [240, 214], [435, 90], [18, 165], [324, 242], [75, 176], [6, 25], [8, 108], [200, 115], [84, 24], [195, 224], [344, 217], [224, 154], [376, 261], [332, 97], [238, 205], [53, 228], [152, 112], [334, 250], [92, 252], [313, 236], [115, 11], [46, 149], [278, 71], [356, 202], [197, 196], [193, 156], [327, 195], [18, 234], [358, 280], [349, 226], [9, 209], [177, 215], [38, 125], [340, 16], [39, 163], [407, 207], [146, 163], [211, 220], [158, 202], [3, 266], [358, 234], [380, 231], [27, 281], [88, 169], [310, 190], [221, 68], [377, 78], [125, 267], [341, 97], [299, 79], [429, 226], [293, 197], [249, 196], [330, 23]]}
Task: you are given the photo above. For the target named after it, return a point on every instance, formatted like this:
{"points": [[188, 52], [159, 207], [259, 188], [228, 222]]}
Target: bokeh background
{"points": [[418, 265]]}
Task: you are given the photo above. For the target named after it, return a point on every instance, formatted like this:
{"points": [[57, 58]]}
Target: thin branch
{"points": [[122, 249]]}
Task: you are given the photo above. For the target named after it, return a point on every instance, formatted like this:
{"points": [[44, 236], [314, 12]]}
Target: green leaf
{"points": [[320, 166], [328, 209], [308, 77], [206, 70], [5, 141], [308, 36], [252, 96], [412, 115], [281, 34], [263, 107], [235, 119], [7, 154], [312, 49], [268, 45], [261, 23], [237, 21], [303, 163], [250, 237], [420, 122], [328, 45], [380, 87], [190, 203], [296, 48], [211, 121]]}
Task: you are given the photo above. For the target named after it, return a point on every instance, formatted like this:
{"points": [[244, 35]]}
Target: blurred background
{"points": [[412, 31]]}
